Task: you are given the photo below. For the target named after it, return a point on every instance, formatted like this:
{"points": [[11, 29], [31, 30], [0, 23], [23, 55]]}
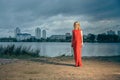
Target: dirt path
{"points": [[60, 69], [6, 61]]}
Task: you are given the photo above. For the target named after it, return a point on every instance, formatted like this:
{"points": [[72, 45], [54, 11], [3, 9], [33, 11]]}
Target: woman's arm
{"points": [[72, 40], [82, 37]]}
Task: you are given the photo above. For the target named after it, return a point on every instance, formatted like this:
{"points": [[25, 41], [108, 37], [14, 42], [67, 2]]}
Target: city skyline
{"points": [[59, 15], [109, 36], [19, 35], [42, 33], [38, 33]]}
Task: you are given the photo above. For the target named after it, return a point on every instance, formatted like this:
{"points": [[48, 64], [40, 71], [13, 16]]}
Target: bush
{"points": [[12, 50]]}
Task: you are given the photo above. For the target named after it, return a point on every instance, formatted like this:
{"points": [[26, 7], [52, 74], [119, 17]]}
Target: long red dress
{"points": [[77, 46]]}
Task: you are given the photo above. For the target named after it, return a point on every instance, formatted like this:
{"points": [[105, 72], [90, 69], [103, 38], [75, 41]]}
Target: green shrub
{"points": [[12, 50]]}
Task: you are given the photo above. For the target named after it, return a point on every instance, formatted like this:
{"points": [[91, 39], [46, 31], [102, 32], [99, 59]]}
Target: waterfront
{"points": [[53, 49]]}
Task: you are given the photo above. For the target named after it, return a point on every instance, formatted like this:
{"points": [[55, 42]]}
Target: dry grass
{"points": [[12, 51], [60, 69]]}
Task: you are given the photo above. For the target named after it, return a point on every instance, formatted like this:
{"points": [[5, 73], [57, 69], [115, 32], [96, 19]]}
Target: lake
{"points": [[52, 49]]}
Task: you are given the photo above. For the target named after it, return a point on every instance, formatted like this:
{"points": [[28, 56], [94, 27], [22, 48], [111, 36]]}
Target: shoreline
{"points": [[61, 68], [99, 58]]}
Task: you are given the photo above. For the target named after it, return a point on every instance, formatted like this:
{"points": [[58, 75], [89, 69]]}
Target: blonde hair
{"points": [[78, 25]]}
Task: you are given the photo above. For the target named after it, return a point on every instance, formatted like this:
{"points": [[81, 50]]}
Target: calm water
{"points": [[52, 49]]}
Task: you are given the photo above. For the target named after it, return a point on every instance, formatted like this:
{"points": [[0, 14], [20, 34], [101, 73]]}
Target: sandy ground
{"points": [[61, 68]]}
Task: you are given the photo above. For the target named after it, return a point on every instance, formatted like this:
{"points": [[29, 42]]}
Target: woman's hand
{"points": [[82, 43], [71, 45]]}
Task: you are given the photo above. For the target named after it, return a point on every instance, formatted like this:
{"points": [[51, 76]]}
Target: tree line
{"points": [[86, 38]]}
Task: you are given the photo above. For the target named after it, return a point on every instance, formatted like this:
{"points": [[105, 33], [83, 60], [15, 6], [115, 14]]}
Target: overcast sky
{"points": [[58, 16]]}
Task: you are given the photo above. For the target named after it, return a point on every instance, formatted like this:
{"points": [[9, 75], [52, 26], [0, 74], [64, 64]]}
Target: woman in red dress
{"points": [[77, 43]]}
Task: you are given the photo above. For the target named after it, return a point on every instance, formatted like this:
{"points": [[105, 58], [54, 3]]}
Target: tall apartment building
{"points": [[44, 34], [38, 33]]}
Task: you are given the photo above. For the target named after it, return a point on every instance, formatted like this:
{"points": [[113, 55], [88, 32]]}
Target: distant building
{"points": [[96, 36], [89, 35], [67, 35], [44, 34], [32, 37], [118, 33], [85, 37], [38, 33], [103, 33], [58, 37], [17, 31], [23, 36], [110, 32]]}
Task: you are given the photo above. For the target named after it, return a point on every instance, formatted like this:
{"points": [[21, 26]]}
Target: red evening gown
{"points": [[77, 46]]}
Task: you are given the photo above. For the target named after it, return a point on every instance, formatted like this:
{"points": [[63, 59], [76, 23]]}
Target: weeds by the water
{"points": [[13, 51]]}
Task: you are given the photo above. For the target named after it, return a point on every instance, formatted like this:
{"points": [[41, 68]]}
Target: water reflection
{"points": [[52, 49]]}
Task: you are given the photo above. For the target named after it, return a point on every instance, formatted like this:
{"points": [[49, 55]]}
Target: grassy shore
{"points": [[12, 51], [62, 68], [21, 63]]}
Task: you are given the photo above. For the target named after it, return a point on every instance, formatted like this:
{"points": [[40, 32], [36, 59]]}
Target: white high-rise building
{"points": [[17, 31], [38, 33], [44, 34]]}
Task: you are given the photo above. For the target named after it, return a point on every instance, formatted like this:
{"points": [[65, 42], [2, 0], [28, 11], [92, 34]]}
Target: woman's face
{"points": [[76, 26]]}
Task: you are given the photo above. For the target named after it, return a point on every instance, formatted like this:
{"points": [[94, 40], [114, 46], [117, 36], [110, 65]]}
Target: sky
{"points": [[58, 16]]}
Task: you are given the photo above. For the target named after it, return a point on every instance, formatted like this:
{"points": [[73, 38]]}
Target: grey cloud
{"points": [[27, 10], [26, 13]]}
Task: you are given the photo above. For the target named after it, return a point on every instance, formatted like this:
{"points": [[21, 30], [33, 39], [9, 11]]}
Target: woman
{"points": [[77, 43]]}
